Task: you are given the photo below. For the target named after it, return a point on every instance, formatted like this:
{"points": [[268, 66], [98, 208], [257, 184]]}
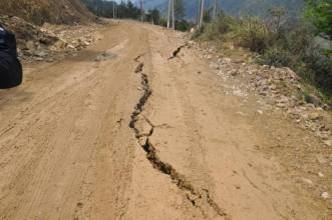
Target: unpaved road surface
{"points": [[131, 129]]}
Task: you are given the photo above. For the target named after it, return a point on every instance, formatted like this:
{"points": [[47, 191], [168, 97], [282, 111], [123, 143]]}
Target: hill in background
{"points": [[234, 7]]}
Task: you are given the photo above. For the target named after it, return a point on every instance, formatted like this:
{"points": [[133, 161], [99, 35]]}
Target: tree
{"points": [[276, 13], [201, 13], [153, 16], [169, 13], [207, 18], [179, 10], [320, 14]]}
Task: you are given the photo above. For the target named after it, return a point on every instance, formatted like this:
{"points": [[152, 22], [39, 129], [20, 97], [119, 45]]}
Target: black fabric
{"points": [[10, 66]]}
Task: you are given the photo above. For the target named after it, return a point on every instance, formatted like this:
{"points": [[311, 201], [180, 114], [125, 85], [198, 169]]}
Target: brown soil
{"points": [[137, 135]]}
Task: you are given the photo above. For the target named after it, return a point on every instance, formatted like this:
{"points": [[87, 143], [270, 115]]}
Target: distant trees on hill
{"points": [[128, 10], [111, 9]]}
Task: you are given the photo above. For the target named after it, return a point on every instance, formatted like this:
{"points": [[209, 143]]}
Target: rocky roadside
{"points": [[49, 42], [277, 89], [275, 93]]}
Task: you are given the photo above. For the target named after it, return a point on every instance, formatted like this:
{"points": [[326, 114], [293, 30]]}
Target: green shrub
{"points": [[288, 44], [198, 32], [215, 29], [223, 24], [183, 25], [278, 57], [253, 34], [298, 38], [321, 66]]}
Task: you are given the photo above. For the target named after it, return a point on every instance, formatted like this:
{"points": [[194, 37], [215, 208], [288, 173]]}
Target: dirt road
{"points": [[125, 130]]}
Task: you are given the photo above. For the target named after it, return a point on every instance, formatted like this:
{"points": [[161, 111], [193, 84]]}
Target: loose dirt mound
{"points": [[48, 42], [26, 32], [41, 11], [32, 21]]}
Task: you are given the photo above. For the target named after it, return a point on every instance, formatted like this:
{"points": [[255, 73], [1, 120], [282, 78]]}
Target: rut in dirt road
{"points": [[201, 198]]}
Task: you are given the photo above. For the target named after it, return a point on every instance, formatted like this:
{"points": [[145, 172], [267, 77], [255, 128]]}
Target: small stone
{"points": [[308, 181], [234, 73], [39, 59], [30, 45], [281, 105], [320, 174], [85, 43], [41, 54], [325, 195], [260, 112], [321, 159], [328, 143], [315, 116], [326, 107], [237, 187], [227, 60], [70, 46]]}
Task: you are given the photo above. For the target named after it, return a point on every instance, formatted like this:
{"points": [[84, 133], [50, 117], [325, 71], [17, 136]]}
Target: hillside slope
{"points": [[41, 11]]}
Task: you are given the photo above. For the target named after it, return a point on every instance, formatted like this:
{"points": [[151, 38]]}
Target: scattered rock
{"points": [[276, 87], [328, 143], [308, 182], [321, 159], [320, 174], [49, 42], [325, 195], [315, 116]]}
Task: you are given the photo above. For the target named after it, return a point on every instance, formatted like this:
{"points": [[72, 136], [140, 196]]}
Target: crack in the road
{"points": [[198, 198], [139, 68], [177, 51]]}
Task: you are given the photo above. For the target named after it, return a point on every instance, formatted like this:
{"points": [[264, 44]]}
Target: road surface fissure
{"points": [[177, 51], [198, 198]]}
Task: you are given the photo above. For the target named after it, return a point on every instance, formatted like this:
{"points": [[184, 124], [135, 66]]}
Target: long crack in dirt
{"points": [[199, 198], [177, 51]]}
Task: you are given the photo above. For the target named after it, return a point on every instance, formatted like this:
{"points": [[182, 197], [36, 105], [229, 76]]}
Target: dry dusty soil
{"points": [[131, 129]]}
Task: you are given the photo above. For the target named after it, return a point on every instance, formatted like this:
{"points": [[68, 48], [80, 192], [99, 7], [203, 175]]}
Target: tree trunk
{"points": [[169, 14], [201, 13], [173, 14]]}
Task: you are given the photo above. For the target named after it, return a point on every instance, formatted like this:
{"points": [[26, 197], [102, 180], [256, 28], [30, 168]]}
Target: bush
{"points": [[253, 34], [298, 38], [182, 25], [321, 66], [278, 57], [216, 29], [289, 44], [198, 32], [223, 24], [295, 47]]}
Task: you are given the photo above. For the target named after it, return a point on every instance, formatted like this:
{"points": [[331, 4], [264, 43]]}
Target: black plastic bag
{"points": [[10, 66]]}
